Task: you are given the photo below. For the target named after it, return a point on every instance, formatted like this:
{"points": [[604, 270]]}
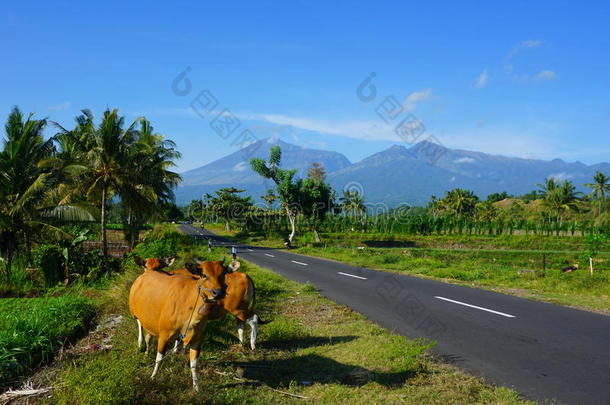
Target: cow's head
{"points": [[154, 263], [212, 275]]}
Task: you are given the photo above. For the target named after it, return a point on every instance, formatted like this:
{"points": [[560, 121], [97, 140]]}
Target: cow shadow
{"points": [[312, 368]]}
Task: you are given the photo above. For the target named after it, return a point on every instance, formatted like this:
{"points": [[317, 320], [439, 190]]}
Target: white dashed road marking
{"points": [[250, 250], [351, 275], [267, 254], [476, 307], [302, 264]]}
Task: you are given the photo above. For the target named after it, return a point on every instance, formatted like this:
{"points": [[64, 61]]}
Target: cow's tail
{"points": [[252, 302]]}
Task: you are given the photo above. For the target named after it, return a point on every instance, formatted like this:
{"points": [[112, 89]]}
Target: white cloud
{"points": [[60, 107], [371, 130], [481, 79], [545, 75], [412, 99], [240, 167], [529, 44], [507, 141], [561, 176], [464, 159]]}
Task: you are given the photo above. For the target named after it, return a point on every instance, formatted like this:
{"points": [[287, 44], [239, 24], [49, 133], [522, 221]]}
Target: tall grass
{"points": [[33, 329]]}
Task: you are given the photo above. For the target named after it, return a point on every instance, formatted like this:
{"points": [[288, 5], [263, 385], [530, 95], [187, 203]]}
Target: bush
{"points": [[50, 260], [33, 329], [163, 243]]}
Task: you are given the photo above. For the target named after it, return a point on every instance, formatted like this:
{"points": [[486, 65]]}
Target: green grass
{"points": [[482, 261], [311, 347], [33, 329]]}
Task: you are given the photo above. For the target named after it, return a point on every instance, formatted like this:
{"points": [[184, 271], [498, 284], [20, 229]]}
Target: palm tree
{"points": [[561, 198], [352, 202], [29, 181], [269, 198], [104, 162], [151, 157], [460, 201], [599, 187], [547, 187]]}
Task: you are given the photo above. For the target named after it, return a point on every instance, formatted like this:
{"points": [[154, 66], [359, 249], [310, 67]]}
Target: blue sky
{"points": [[528, 79]]}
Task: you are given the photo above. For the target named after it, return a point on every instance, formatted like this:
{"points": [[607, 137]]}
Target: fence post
{"points": [[591, 265], [544, 262]]}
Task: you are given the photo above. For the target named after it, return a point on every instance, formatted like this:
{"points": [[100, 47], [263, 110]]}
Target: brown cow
{"points": [[167, 306], [238, 300]]}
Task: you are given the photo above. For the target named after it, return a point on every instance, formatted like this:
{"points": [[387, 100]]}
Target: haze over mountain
{"points": [[393, 176]]}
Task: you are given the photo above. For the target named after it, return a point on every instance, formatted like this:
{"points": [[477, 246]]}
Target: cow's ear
{"points": [[193, 268], [139, 261], [233, 266]]}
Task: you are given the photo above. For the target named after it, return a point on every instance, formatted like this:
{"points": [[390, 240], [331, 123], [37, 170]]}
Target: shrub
{"points": [[50, 260], [163, 243]]}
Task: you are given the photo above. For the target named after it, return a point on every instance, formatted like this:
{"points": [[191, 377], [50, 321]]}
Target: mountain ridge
{"points": [[392, 176]]}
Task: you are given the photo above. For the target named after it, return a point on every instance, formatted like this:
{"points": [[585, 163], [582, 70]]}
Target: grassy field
{"points": [[512, 265], [312, 347], [33, 329]]}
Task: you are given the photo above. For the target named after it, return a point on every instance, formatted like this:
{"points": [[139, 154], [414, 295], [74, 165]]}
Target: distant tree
{"points": [[287, 188], [195, 210], [316, 200], [269, 198], [352, 203], [561, 198], [171, 212], [547, 187], [229, 205], [495, 197], [531, 196], [599, 188], [486, 211], [317, 172], [460, 202]]}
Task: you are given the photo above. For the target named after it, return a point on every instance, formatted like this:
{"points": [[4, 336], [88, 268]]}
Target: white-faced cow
{"points": [[174, 305]]}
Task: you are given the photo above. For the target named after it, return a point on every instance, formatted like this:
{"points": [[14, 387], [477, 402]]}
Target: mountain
{"points": [[234, 169], [397, 176], [393, 176]]}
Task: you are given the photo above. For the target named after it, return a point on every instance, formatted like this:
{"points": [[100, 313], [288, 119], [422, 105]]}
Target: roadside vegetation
{"points": [[33, 329], [312, 348]]}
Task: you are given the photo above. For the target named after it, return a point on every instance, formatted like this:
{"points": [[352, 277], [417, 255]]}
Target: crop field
{"points": [[528, 266], [33, 329]]}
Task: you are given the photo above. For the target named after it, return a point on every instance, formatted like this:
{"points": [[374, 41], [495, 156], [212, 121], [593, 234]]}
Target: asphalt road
{"points": [[549, 353]]}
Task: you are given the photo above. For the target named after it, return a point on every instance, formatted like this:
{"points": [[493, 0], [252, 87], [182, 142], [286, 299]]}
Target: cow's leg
{"points": [[253, 322], [162, 342], [140, 336], [194, 359], [193, 341], [147, 341], [176, 346], [240, 331]]}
